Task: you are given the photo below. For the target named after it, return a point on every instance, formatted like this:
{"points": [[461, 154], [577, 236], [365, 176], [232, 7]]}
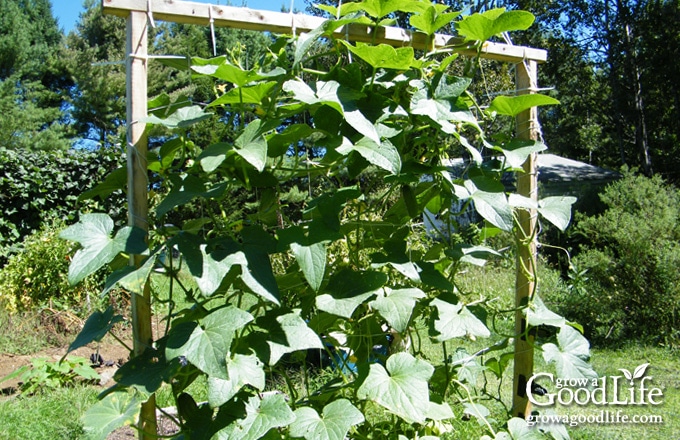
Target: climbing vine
{"points": [[316, 265]]}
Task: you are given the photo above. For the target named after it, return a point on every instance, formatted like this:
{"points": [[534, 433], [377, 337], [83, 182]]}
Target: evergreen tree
{"points": [[32, 77]]}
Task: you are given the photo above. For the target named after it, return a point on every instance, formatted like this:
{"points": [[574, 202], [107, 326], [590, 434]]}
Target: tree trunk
{"points": [[641, 139]]}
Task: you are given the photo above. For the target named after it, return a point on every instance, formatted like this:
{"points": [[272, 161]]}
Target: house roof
{"points": [[552, 168]]}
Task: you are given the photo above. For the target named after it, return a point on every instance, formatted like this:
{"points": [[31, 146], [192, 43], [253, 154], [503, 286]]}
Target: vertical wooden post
{"points": [[136, 91], [528, 129]]}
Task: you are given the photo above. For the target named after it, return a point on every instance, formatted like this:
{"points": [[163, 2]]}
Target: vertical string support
{"points": [[136, 97], [525, 283]]}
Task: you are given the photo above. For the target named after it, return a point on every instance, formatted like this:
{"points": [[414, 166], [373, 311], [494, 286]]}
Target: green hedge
{"points": [[37, 187]]}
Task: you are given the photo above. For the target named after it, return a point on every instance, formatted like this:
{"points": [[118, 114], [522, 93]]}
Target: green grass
{"points": [[46, 416]]}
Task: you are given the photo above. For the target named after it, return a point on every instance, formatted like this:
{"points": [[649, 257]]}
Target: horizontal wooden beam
{"points": [[281, 22]]}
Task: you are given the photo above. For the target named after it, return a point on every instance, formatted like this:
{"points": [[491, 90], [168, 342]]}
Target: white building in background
{"points": [[556, 176]]}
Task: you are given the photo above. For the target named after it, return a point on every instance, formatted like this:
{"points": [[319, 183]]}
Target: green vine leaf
{"points": [[517, 151], [383, 155], [400, 386], [571, 357], [520, 430], [96, 327], [538, 314], [93, 232], [514, 105], [557, 210], [477, 255], [288, 333], [218, 68], [491, 202], [242, 370], [147, 372], [207, 345], [456, 321], [262, 414], [183, 117], [432, 19], [481, 27], [383, 56], [114, 181], [334, 424], [337, 97], [381, 8], [113, 411], [252, 145], [396, 306], [312, 261], [211, 270], [131, 278], [347, 289], [254, 94]]}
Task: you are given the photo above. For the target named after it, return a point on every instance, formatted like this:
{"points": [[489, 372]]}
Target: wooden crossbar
{"points": [[281, 22]]}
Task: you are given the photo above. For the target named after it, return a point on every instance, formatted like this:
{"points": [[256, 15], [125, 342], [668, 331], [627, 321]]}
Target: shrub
{"points": [[38, 275], [627, 284], [39, 187]]}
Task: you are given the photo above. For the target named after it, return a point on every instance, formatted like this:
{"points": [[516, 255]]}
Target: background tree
{"points": [[32, 78], [95, 51]]}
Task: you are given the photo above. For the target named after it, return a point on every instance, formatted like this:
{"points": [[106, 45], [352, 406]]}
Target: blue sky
{"points": [[67, 11]]}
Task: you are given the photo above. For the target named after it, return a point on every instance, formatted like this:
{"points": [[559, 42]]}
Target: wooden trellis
{"points": [[141, 13]]}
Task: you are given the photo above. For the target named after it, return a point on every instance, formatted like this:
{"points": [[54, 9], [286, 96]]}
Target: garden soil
{"points": [[112, 356]]}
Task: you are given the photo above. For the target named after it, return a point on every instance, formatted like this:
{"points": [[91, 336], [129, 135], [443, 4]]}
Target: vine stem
{"points": [[467, 391]]}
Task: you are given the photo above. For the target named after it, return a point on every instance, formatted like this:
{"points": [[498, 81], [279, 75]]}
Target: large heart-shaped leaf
{"points": [[130, 278], [520, 430], [571, 357], [95, 328], [397, 305], [253, 94], [557, 210], [233, 74], [517, 151], [114, 181], [312, 261], [289, 333], [252, 145], [347, 289], [264, 414], [325, 93], [455, 321], [538, 314], [207, 345], [381, 8], [431, 20], [383, 155], [147, 372], [113, 411], [400, 386], [514, 105], [383, 56], [491, 202], [213, 268], [243, 370], [481, 27], [93, 232], [182, 118], [334, 423]]}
